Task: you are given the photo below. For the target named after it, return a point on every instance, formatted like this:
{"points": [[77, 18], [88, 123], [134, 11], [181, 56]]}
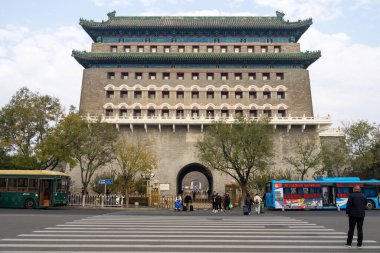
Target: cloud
{"points": [[363, 4], [148, 3], [101, 3], [345, 79], [41, 61], [236, 3], [320, 10]]}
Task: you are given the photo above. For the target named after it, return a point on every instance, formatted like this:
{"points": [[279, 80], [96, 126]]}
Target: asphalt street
{"points": [[155, 230]]}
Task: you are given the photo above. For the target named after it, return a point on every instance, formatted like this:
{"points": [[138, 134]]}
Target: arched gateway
{"points": [[194, 167]]}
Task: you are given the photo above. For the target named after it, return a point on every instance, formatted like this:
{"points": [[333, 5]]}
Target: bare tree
{"points": [[240, 149], [133, 158], [306, 157]]}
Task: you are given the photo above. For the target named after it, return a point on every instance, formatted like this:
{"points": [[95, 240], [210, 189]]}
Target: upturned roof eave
{"points": [[306, 58]]}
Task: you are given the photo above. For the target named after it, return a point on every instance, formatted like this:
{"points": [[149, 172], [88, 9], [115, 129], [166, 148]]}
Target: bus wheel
{"points": [[370, 205], [29, 203]]}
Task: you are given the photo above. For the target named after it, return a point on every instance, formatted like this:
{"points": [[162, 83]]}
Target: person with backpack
{"points": [[257, 200]]}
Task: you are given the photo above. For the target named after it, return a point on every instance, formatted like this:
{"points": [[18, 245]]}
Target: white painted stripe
{"points": [[189, 236], [129, 246], [153, 226], [139, 251], [306, 226], [180, 241], [193, 222], [310, 232], [148, 228]]}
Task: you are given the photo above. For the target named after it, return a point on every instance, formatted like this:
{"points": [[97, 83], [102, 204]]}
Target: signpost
{"points": [[105, 182]]}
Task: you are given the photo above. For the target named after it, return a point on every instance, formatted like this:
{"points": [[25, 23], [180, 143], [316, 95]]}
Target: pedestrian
{"points": [[257, 200], [219, 202], [187, 201], [226, 201], [214, 202], [248, 202], [355, 211], [178, 202]]}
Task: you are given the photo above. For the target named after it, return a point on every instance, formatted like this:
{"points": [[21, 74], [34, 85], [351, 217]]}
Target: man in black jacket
{"points": [[355, 210]]}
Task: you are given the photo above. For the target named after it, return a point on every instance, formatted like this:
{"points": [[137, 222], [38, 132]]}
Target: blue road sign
{"points": [[105, 181]]}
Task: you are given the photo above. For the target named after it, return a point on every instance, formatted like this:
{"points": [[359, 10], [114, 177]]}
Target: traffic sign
{"points": [[105, 181]]}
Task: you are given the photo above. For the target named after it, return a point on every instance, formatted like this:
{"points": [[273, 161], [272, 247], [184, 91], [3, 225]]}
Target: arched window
{"points": [[224, 112], [238, 112], [253, 112], [137, 112], [165, 112], [195, 112], [109, 111], [195, 94], [210, 113], [267, 112], [179, 113], [281, 112], [224, 93], [238, 94], [151, 111], [210, 94], [123, 112]]}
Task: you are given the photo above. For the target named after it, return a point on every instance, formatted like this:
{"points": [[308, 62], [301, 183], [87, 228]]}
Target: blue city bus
{"points": [[322, 193]]}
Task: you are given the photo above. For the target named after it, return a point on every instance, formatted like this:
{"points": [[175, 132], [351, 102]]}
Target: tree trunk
{"points": [[126, 198], [243, 194]]}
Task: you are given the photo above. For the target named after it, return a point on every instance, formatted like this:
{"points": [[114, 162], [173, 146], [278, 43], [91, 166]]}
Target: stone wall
{"points": [[177, 149]]}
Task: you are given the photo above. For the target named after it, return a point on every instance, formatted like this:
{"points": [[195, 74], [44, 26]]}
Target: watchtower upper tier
{"points": [[167, 29]]}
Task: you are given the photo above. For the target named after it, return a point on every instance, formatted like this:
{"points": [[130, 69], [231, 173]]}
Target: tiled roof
{"points": [[84, 58], [172, 22]]}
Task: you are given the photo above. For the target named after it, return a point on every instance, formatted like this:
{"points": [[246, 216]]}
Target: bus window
{"points": [[12, 184], [314, 190], [33, 184], [287, 191], [299, 190], [345, 190], [369, 192], [61, 185], [22, 184], [3, 184], [306, 190], [269, 188], [293, 190]]}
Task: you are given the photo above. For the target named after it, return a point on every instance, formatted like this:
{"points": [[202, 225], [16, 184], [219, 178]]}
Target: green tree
{"points": [[133, 159], [58, 145], [240, 149], [93, 149], [24, 123], [362, 140], [306, 157], [334, 159]]}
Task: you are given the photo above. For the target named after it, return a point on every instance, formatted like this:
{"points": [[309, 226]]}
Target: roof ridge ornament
{"points": [[280, 15], [111, 14]]}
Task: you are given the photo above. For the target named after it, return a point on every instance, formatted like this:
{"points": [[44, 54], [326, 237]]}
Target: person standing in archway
{"points": [[214, 202], [355, 211], [187, 201]]}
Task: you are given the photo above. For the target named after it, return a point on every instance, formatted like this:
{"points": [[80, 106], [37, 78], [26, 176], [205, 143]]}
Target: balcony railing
{"points": [[206, 119]]}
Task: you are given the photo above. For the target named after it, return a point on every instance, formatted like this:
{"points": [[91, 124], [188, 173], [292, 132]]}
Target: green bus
{"points": [[33, 188]]}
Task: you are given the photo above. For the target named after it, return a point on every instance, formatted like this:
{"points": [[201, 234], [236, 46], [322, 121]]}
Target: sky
{"points": [[38, 36]]}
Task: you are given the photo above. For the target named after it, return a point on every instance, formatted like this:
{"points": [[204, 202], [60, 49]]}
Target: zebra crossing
{"points": [[124, 233]]}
